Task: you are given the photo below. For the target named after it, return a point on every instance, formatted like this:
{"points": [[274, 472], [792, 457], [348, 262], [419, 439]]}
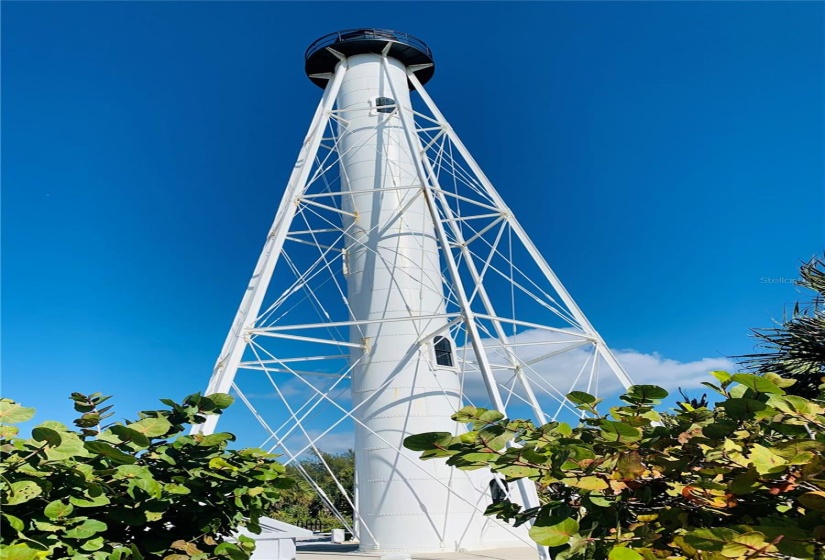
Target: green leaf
{"points": [[15, 522], [765, 460], [232, 550], [582, 398], [120, 553], [624, 553], [89, 501], [21, 491], [70, 446], [215, 439], [152, 427], [710, 539], [54, 425], [58, 509], [599, 501], [477, 416], [129, 435], [742, 409], [93, 544], [47, 435], [618, 431], [19, 552], [221, 400], [8, 431], [779, 381], [149, 485], [718, 430], [757, 383], [109, 451], [554, 535], [646, 392], [589, 483], [518, 471], [86, 529], [813, 500], [721, 376], [13, 413], [495, 437], [47, 527], [88, 420], [490, 416], [744, 544], [219, 463], [428, 441]]}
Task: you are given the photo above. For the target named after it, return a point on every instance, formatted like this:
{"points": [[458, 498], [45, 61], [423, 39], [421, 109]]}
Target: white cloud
{"points": [[573, 368], [654, 369]]}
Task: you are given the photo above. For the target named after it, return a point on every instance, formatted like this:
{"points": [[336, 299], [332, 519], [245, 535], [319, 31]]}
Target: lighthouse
{"points": [[409, 289]]}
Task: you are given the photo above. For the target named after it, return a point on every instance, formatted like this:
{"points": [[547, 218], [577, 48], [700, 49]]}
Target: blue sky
{"points": [[667, 158]]}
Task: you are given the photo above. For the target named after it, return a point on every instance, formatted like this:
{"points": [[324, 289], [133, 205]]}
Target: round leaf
{"points": [[580, 397], [617, 431], [88, 501], [70, 446], [588, 483], [86, 529], [813, 500], [129, 435], [19, 552], [428, 441], [58, 509], [757, 383], [710, 539], [13, 413], [646, 392], [741, 409], [152, 427], [624, 553], [47, 435], [554, 535], [8, 431], [110, 452], [22, 491], [221, 400]]}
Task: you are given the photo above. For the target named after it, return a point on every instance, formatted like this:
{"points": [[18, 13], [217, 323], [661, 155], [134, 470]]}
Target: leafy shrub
{"points": [[302, 505], [134, 490], [745, 479]]}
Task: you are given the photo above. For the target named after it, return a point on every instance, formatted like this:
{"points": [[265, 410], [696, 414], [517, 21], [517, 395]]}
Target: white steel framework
{"points": [[492, 324]]}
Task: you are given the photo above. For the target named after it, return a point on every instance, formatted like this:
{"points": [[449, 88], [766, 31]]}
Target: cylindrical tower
{"points": [[405, 381]]}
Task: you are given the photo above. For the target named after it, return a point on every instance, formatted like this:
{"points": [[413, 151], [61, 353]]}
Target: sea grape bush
{"points": [[134, 490], [744, 479]]}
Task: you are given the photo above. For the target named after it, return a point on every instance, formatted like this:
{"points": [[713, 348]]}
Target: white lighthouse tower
{"points": [[394, 287]]}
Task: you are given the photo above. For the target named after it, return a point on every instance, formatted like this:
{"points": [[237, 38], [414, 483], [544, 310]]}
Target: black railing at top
{"points": [[315, 525], [356, 34]]}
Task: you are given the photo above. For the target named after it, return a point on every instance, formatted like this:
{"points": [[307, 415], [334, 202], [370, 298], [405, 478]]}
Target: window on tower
{"points": [[498, 490], [443, 351], [384, 104]]}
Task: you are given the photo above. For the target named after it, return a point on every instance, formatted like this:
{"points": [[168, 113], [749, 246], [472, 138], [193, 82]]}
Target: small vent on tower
{"points": [[384, 104], [443, 351]]}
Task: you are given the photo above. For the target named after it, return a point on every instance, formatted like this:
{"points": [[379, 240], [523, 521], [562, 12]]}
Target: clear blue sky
{"points": [[666, 157]]}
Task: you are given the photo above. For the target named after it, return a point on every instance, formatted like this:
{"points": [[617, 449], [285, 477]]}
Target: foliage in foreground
{"points": [[134, 490], [796, 347], [745, 479], [302, 505]]}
